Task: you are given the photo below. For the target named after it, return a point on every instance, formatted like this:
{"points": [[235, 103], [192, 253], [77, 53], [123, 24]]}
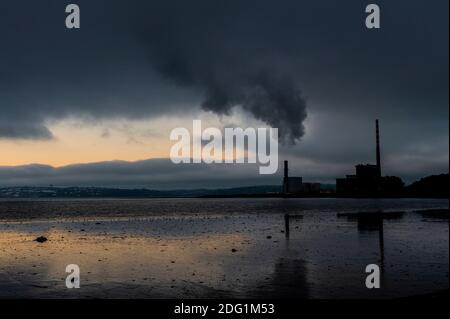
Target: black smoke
{"points": [[236, 54], [277, 102]]}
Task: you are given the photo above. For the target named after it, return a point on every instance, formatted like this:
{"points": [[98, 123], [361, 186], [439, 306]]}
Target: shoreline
{"points": [[326, 196]]}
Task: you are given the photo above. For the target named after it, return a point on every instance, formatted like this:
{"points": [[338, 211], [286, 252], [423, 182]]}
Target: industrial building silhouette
{"points": [[367, 180], [296, 186]]}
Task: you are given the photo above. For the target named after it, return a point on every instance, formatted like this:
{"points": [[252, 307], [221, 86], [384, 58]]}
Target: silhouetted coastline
{"points": [[435, 186]]}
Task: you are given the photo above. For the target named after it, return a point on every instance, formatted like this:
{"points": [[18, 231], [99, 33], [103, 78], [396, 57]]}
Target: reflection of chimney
{"points": [[378, 149], [286, 169], [286, 177]]}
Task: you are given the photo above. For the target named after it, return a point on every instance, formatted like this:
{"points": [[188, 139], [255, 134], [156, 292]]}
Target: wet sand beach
{"points": [[212, 248]]}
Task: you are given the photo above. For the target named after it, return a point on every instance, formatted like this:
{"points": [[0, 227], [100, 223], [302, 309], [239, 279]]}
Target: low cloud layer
{"points": [[163, 174], [154, 174]]}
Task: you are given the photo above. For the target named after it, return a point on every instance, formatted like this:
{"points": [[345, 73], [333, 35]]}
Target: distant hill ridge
{"points": [[435, 186], [100, 192], [431, 186]]}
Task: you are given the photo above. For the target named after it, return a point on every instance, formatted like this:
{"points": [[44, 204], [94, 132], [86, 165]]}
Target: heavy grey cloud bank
{"points": [[145, 58], [278, 60]]}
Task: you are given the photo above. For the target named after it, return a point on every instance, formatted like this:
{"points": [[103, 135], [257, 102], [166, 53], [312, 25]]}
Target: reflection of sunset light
{"points": [[116, 257]]}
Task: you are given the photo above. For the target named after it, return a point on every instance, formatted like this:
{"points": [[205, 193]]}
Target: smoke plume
{"points": [[277, 102]]}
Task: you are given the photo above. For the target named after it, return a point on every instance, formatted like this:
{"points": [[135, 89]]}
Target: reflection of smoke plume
{"points": [[277, 102]]}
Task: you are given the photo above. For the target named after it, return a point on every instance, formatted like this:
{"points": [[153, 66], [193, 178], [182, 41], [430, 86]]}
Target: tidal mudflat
{"points": [[237, 248]]}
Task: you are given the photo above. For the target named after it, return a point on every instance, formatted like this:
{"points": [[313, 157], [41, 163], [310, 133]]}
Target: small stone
{"points": [[41, 239]]}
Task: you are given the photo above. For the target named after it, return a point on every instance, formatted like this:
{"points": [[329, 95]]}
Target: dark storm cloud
{"points": [[225, 48], [101, 71], [144, 58], [278, 60], [24, 129]]}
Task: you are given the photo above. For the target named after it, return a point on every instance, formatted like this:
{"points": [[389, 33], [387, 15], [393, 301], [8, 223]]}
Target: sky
{"points": [[95, 106]]}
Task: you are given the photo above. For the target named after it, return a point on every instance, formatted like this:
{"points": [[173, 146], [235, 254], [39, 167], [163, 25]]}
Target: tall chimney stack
{"points": [[378, 149]]}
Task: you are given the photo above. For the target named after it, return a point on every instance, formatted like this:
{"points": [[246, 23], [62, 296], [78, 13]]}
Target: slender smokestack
{"points": [[378, 149]]}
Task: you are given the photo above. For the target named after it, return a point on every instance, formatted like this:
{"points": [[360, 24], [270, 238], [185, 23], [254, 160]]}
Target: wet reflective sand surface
{"points": [[223, 248]]}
